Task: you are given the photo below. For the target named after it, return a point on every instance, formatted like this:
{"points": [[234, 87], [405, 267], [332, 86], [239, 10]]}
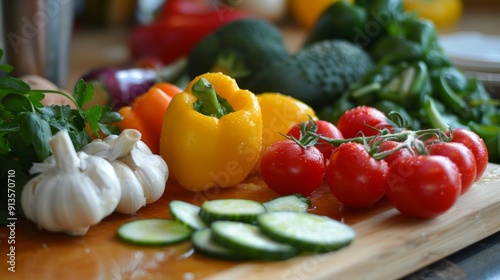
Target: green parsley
{"points": [[26, 125]]}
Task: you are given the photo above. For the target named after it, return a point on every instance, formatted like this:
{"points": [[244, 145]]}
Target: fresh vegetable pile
{"points": [[54, 155], [26, 125], [71, 191], [422, 172], [412, 75], [368, 115], [253, 52]]}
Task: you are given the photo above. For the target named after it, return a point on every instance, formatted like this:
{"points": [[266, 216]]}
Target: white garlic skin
{"points": [[73, 195], [143, 174]]}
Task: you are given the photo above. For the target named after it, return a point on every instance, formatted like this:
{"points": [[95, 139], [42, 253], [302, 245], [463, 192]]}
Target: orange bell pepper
{"points": [[146, 113]]}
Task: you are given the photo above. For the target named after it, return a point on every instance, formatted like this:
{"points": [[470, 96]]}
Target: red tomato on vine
{"points": [[289, 168], [424, 186], [362, 119], [355, 178]]}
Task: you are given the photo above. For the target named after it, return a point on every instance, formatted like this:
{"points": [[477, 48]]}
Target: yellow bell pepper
{"points": [[306, 13], [279, 113], [444, 13], [212, 133]]}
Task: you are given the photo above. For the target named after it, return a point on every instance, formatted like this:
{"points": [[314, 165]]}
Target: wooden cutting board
{"points": [[387, 246]]}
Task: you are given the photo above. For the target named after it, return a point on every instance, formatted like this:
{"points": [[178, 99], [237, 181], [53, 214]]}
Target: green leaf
{"points": [[80, 139], [6, 68], [4, 143], [93, 116], [8, 126], [13, 85], [83, 93], [35, 131], [57, 111], [109, 116], [36, 98], [16, 103]]}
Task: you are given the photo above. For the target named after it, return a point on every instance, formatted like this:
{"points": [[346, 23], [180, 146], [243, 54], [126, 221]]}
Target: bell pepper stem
{"points": [[209, 103]]}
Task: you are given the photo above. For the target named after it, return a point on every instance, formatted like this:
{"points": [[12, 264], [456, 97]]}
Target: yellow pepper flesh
{"points": [[203, 151], [306, 13], [444, 13]]}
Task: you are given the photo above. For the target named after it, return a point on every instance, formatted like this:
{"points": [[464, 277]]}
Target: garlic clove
{"points": [[73, 192], [132, 195], [148, 169]]}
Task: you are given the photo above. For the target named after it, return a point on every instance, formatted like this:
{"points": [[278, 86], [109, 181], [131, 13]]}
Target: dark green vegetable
{"points": [[410, 39], [317, 74], [362, 23], [341, 20], [491, 137], [414, 77], [396, 49], [239, 49]]}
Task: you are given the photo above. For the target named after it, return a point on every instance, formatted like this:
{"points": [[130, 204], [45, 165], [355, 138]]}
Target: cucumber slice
{"points": [[294, 202], [308, 232], [248, 240], [187, 214], [154, 232], [203, 243], [241, 210]]}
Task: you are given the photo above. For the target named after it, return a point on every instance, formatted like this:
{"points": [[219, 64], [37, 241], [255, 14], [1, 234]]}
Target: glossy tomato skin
{"points": [[461, 156], [388, 145], [476, 144], [362, 119], [326, 129], [355, 178], [424, 186], [287, 168]]}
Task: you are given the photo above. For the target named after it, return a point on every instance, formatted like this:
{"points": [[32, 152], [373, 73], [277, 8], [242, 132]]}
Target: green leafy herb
{"points": [[26, 125]]}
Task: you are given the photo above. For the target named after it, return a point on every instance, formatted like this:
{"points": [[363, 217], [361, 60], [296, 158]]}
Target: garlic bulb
{"points": [[142, 174], [73, 191]]}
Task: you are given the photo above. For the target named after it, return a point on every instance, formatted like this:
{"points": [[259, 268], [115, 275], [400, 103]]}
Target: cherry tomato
{"points": [[389, 145], [355, 178], [362, 119], [462, 157], [476, 144], [326, 129], [288, 168], [423, 186]]}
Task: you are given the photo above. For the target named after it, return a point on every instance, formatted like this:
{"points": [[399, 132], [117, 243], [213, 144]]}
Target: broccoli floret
{"points": [[317, 74], [239, 49]]}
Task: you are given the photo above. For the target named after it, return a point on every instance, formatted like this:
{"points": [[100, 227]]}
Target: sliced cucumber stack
{"points": [[203, 243], [294, 202], [241, 229], [154, 232], [250, 241], [240, 210], [187, 214], [305, 231]]}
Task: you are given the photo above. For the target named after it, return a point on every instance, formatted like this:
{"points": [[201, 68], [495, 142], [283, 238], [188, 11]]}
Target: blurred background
{"points": [[101, 30]]}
